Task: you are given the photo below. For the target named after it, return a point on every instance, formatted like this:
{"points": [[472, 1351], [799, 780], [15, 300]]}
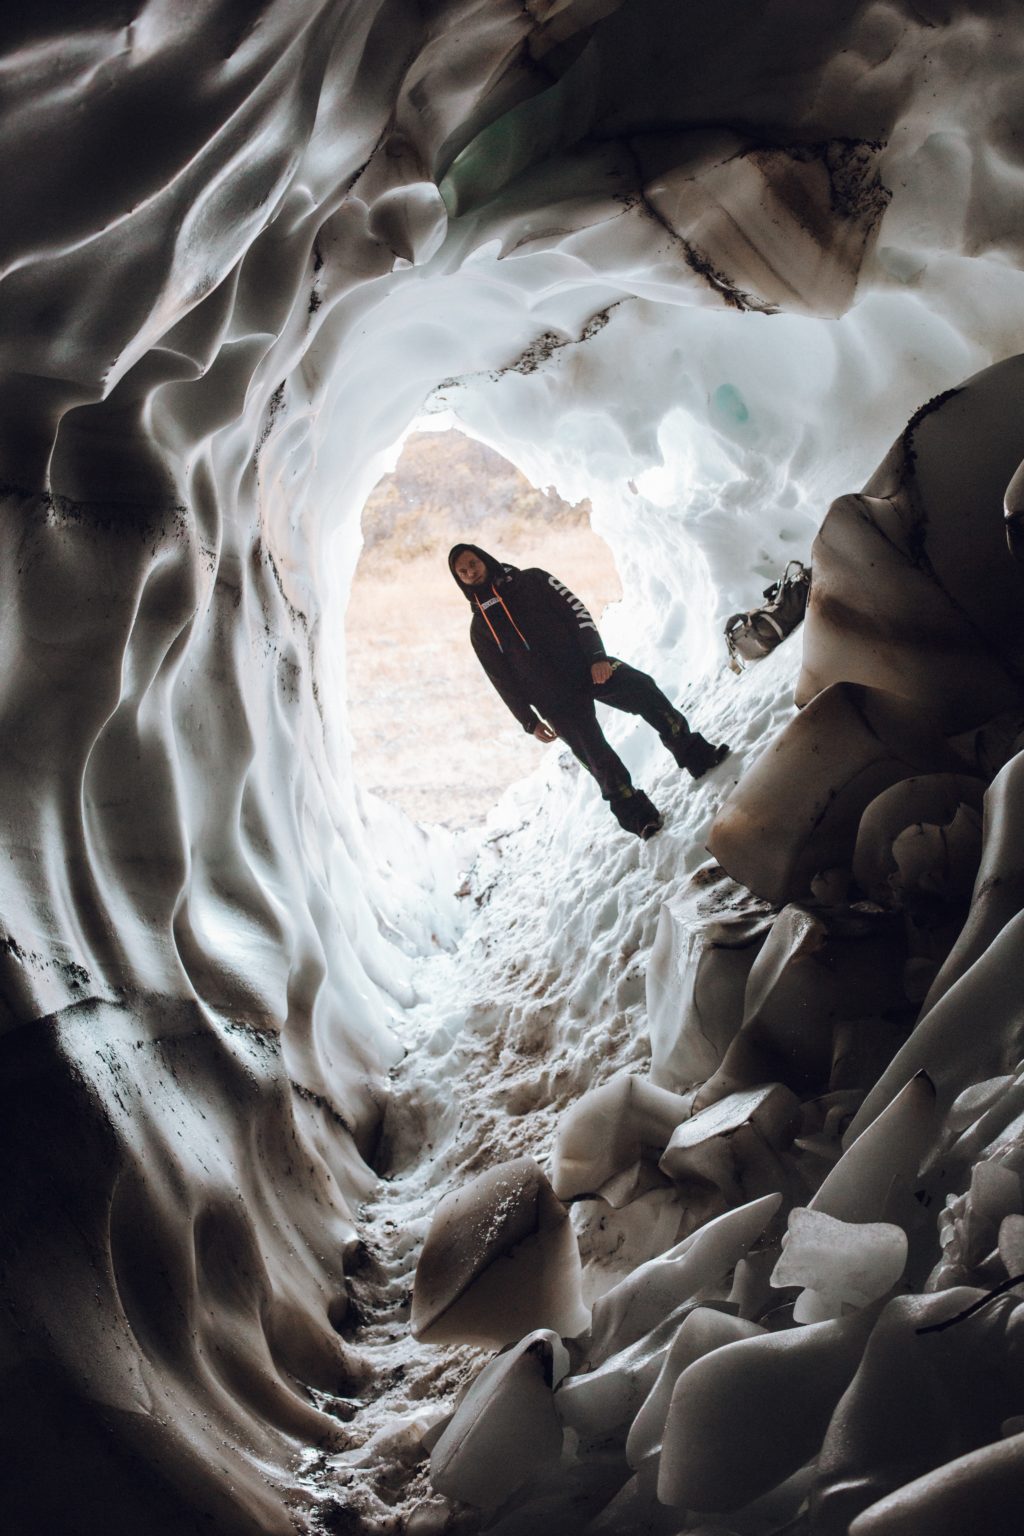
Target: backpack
{"points": [[753, 634]]}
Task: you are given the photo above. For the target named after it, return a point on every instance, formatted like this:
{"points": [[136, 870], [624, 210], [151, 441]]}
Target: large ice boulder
{"points": [[795, 813], [500, 1259], [915, 589], [748, 1415], [706, 941], [605, 1138], [505, 1426], [822, 1003]]}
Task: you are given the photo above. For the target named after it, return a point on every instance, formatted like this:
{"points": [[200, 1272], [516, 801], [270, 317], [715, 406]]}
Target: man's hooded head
{"points": [[492, 570]]}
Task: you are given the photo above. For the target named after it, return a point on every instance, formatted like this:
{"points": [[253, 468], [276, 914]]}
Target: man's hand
{"points": [[601, 671], [543, 732]]}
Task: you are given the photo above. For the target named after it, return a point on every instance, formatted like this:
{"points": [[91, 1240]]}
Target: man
{"points": [[542, 652]]}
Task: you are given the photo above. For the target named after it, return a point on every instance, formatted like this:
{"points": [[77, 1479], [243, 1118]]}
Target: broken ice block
{"points": [[881, 1163], [816, 967], [699, 1333], [979, 1491], [505, 1426], [656, 1289], [842, 1263], [914, 588], [733, 1144], [696, 978], [749, 1414], [500, 1259], [609, 1130], [932, 799], [796, 811]]}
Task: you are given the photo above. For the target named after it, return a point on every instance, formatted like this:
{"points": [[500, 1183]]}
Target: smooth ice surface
{"points": [[505, 1426], [841, 1263], [499, 1260]]}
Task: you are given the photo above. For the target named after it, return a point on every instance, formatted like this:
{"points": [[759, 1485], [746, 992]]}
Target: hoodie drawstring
{"points": [[508, 616]]}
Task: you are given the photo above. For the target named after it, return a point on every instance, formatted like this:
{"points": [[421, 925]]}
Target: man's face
{"points": [[470, 569]]}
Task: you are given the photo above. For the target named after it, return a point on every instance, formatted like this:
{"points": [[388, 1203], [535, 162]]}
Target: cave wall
{"points": [[245, 246]]}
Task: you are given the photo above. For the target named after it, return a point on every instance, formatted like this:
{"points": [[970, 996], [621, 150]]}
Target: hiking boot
{"points": [[634, 812], [697, 755]]}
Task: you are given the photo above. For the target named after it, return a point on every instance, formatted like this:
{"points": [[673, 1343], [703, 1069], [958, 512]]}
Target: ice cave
{"points": [[366, 1177]]}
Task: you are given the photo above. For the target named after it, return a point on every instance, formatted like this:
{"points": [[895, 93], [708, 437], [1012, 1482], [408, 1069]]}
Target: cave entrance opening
{"points": [[429, 735]]}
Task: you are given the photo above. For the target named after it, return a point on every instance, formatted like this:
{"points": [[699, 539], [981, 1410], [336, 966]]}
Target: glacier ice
{"points": [[500, 1260], [699, 264], [505, 1426]]}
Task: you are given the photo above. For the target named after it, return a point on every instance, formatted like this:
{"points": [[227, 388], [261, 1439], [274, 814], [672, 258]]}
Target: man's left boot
{"points": [[696, 754]]}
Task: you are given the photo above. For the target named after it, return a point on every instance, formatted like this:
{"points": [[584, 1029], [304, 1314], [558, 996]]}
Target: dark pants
{"points": [[636, 694]]}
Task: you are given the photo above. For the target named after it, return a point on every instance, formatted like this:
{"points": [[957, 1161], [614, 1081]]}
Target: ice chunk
{"points": [[919, 1399], [932, 799], [796, 811], [505, 1426], [817, 967], [882, 1159], [970, 1105], [609, 1130], [748, 1415], [1011, 1244], [733, 1144], [914, 589], [653, 1292], [594, 1403], [696, 978], [840, 1262], [500, 1259], [702, 1331], [939, 861], [999, 891], [979, 1491]]}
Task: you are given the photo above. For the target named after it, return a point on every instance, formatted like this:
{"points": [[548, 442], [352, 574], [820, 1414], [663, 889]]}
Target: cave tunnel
{"points": [[633, 1186]]}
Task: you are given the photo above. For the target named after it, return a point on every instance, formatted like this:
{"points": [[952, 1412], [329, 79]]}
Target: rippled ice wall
{"points": [[700, 263]]}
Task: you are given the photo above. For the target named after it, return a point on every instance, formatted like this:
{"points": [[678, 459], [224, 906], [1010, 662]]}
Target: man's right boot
{"points": [[635, 813], [697, 755]]}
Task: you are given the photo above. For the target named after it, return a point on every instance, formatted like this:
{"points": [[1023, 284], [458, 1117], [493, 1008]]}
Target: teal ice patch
{"points": [[728, 401]]}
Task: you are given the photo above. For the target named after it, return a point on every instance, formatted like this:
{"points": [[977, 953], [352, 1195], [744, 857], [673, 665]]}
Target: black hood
{"points": [[496, 569]]}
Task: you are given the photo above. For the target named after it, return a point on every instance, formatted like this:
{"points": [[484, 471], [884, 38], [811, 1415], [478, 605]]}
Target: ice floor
{"points": [[540, 996]]}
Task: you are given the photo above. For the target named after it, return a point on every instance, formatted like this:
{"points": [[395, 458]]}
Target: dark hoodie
{"points": [[533, 638]]}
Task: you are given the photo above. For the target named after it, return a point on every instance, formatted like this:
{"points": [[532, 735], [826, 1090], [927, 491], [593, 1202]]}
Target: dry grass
{"points": [[430, 733]]}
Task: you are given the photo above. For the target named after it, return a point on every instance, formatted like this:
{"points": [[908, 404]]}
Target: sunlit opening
{"points": [[429, 733]]}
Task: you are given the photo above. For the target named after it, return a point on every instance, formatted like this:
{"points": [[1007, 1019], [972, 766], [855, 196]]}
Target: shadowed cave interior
{"points": [[641, 1188]]}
